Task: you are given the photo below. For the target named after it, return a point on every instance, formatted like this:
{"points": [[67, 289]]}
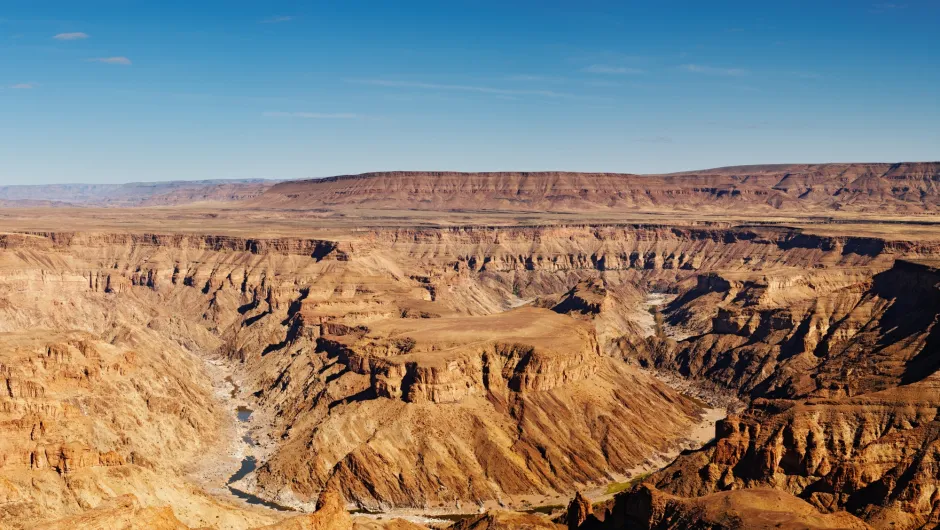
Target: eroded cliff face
{"points": [[97, 400], [873, 455], [794, 333], [392, 366], [116, 392], [843, 369]]}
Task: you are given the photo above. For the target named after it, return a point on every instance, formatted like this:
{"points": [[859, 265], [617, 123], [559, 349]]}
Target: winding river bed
{"points": [[248, 464]]}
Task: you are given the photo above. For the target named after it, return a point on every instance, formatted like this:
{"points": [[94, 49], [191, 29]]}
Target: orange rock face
{"points": [[844, 375]]}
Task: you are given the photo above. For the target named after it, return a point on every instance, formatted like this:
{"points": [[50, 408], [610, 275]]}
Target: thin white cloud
{"points": [[465, 88], [112, 60], [608, 69], [806, 75], [78, 35], [314, 115], [655, 140], [711, 70], [609, 57], [886, 7], [24, 86], [277, 19], [535, 78], [603, 83]]}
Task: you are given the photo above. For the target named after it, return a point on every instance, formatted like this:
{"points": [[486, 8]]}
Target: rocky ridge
{"points": [[902, 187]]}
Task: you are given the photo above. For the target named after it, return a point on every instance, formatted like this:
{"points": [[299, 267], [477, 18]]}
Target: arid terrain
{"points": [[743, 347]]}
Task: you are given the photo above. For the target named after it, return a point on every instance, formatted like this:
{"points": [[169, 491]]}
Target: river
{"points": [[249, 462], [248, 465]]}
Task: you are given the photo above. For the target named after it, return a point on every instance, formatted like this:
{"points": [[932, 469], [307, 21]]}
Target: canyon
{"points": [[436, 349]]}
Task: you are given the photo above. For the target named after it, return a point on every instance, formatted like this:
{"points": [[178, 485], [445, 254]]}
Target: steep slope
{"points": [[102, 396], [795, 333], [874, 455]]}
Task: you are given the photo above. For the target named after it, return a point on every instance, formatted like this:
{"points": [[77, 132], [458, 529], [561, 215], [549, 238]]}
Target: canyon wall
{"points": [[399, 368], [841, 367]]}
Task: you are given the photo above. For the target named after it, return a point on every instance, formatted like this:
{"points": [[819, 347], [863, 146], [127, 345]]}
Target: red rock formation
{"points": [[650, 509], [579, 509]]}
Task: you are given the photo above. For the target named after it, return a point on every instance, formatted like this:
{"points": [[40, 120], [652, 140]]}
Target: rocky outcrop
{"points": [[329, 515], [502, 520], [589, 297], [525, 350], [797, 334], [579, 510], [873, 455], [759, 508]]}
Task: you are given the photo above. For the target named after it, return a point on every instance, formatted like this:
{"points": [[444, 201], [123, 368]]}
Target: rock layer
{"points": [[904, 187]]}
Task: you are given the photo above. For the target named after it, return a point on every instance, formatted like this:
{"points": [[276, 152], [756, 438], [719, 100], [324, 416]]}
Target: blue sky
{"points": [[123, 90]]}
